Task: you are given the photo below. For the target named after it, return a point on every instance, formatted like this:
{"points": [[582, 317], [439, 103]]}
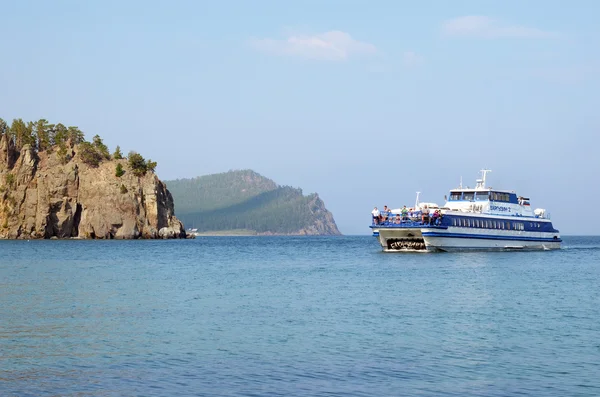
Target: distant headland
{"points": [[55, 184], [243, 202]]}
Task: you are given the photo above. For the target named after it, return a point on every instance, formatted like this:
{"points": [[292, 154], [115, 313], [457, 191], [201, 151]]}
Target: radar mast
{"points": [[481, 182]]}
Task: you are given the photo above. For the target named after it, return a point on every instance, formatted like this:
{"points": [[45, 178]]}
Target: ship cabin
{"points": [[489, 201]]}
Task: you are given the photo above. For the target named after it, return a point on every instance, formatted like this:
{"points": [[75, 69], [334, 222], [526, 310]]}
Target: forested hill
{"points": [[247, 202]]}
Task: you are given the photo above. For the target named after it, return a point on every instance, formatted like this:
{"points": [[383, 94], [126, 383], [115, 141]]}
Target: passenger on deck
{"points": [[425, 215], [435, 217], [385, 214], [404, 212], [376, 216], [397, 220]]}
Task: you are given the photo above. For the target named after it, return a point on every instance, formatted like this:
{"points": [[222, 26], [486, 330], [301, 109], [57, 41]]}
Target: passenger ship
{"points": [[482, 218]]}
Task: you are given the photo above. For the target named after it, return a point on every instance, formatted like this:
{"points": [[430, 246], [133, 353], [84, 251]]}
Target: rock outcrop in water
{"points": [[44, 196]]}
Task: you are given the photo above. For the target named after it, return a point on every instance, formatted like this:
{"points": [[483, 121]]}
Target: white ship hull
{"points": [[481, 218], [450, 239], [494, 242]]}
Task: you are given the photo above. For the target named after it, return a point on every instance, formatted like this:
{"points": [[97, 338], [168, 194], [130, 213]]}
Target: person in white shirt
{"points": [[376, 215]]}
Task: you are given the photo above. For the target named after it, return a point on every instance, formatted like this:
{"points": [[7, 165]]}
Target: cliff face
{"points": [[42, 198], [322, 224]]}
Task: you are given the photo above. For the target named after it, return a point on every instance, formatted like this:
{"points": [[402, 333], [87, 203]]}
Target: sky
{"points": [[363, 102]]}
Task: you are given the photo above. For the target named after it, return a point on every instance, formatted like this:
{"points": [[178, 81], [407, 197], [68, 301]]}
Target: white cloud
{"points": [[486, 27], [411, 58], [330, 46]]}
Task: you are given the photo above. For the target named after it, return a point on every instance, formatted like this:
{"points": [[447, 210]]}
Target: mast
{"points": [[417, 201], [481, 182]]}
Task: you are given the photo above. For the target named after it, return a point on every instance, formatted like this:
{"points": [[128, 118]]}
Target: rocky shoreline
{"points": [[42, 197]]}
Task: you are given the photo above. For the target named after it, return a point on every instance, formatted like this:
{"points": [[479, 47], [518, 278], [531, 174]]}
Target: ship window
{"points": [[468, 196], [481, 196], [455, 196], [507, 225], [477, 222], [495, 196], [494, 225]]}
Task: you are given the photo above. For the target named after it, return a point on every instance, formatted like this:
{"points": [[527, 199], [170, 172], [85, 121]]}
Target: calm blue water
{"points": [[302, 316]]}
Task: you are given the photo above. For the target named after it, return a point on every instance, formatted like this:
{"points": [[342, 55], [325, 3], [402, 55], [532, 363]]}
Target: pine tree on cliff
{"points": [[4, 131], [22, 133], [101, 147], [3, 127], [75, 136], [42, 134], [117, 155]]}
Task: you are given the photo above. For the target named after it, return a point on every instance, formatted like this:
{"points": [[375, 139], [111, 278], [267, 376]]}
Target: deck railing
{"points": [[414, 221]]}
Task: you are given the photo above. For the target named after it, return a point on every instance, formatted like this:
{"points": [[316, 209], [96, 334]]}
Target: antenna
{"points": [[460, 187], [417, 201]]}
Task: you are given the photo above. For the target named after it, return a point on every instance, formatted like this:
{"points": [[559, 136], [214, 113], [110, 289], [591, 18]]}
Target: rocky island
{"points": [[55, 184]]}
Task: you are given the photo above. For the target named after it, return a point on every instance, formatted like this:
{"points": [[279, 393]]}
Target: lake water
{"points": [[296, 316]]}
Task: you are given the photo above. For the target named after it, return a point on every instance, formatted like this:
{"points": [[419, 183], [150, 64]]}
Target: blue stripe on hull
{"points": [[491, 249], [489, 237]]}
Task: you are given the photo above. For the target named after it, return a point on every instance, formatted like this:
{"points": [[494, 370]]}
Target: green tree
{"points": [[9, 179], [29, 136], [151, 165], [61, 134], [117, 155], [89, 154], [42, 134], [22, 133], [75, 136], [137, 163], [101, 147], [63, 153], [119, 172], [4, 129], [18, 130]]}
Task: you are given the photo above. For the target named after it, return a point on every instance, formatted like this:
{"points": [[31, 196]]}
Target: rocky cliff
{"points": [[43, 197], [321, 224]]}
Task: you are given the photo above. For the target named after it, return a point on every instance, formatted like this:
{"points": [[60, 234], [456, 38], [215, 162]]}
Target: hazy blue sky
{"points": [[364, 102]]}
